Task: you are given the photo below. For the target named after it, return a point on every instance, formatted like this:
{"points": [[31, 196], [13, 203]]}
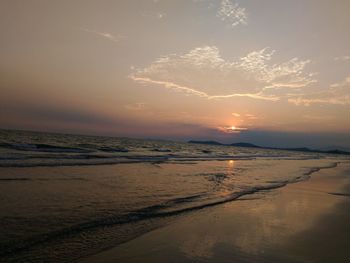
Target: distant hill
{"points": [[336, 147], [245, 144], [206, 142], [239, 144], [250, 145]]}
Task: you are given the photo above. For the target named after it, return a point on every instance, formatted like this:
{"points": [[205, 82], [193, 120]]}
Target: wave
{"points": [[100, 159], [316, 169], [172, 207], [40, 147], [113, 150], [161, 150], [340, 194], [80, 148]]}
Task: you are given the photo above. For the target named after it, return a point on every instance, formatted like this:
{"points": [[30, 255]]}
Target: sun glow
{"points": [[232, 129]]}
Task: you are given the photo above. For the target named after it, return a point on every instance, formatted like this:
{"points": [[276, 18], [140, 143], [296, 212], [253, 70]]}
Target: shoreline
{"points": [[281, 224]]}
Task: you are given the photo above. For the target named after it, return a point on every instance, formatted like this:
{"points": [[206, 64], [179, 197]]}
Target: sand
{"points": [[302, 222]]}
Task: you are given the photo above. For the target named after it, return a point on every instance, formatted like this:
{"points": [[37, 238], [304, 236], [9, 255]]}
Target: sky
{"points": [[272, 72]]}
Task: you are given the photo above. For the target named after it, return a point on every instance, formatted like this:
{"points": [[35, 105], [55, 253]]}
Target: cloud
{"points": [[246, 116], [318, 118], [138, 106], [48, 113], [154, 15], [232, 13], [251, 116], [161, 15], [343, 58], [204, 73], [338, 94], [106, 35]]}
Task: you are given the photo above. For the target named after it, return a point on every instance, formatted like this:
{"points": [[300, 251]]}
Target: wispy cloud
{"points": [[188, 90], [251, 117], [232, 13], [343, 58], [105, 35], [338, 93], [317, 118], [203, 72], [138, 106], [154, 15], [289, 74]]}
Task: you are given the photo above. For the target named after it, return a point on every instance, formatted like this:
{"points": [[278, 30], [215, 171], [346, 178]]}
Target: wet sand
{"points": [[302, 222]]}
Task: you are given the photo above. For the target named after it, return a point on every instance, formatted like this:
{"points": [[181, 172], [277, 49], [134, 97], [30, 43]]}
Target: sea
{"points": [[65, 197]]}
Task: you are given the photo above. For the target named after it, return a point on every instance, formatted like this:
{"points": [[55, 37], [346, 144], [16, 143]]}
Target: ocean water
{"points": [[64, 197]]}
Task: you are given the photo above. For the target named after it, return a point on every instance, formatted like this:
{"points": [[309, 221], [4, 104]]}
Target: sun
{"points": [[235, 129], [231, 129]]}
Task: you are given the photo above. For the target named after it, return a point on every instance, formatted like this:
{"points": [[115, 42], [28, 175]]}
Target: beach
{"points": [[68, 198], [302, 222], [174, 131]]}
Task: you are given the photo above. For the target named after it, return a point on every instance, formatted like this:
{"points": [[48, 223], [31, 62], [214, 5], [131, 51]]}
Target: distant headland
{"points": [[250, 145]]}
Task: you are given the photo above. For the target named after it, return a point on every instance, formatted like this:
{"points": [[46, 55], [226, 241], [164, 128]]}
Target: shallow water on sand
{"points": [[303, 222]]}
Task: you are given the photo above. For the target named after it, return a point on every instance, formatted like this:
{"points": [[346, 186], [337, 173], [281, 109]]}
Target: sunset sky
{"points": [[269, 72]]}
